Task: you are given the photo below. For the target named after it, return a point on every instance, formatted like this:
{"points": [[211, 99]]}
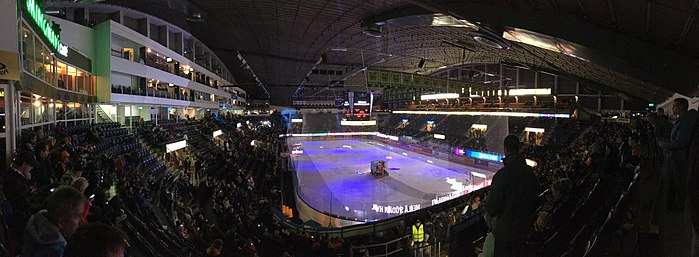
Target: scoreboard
{"points": [[358, 106]]}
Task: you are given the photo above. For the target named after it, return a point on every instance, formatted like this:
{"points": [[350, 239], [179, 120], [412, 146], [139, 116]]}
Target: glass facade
{"points": [[41, 63], [37, 110]]}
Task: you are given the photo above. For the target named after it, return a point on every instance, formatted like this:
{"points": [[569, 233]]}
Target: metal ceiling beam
{"points": [[409, 10], [582, 8], [648, 8], [689, 22], [678, 72], [429, 6], [265, 55], [554, 4], [612, 14]]}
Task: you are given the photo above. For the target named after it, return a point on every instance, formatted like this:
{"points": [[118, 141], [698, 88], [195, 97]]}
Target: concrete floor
{"points": [[674, 228], [333, 176]]}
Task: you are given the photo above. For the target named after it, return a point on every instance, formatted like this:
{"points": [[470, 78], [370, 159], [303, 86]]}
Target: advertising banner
{"points": [[9, 65]]}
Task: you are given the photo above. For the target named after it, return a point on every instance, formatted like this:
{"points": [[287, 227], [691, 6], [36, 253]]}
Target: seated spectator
{"points": [[561, 188], [69, 177], [215, 248], [63, 164], [97, 240], [47, 230], [81, 184]]}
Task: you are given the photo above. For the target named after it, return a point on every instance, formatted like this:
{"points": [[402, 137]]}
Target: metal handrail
{"points": [[385, 245]]}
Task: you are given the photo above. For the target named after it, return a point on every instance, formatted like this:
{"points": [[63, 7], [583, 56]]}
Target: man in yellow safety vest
{"points": [[418, 238]]}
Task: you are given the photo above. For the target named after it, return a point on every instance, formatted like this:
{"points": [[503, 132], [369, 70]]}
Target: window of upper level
{"points": [[73, 79], [36, 58], [132, 51], [40, 62]]}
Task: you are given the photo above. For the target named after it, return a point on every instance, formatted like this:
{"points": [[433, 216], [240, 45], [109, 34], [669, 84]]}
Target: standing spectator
{"points": [[418, 238], [17, 190], [511, 208], [197, 165], [661, 128], [29, 142], [97, 240], [185, 164], [597, 151], [680, 141], [47, 230], [693, 188], [41, 175]]}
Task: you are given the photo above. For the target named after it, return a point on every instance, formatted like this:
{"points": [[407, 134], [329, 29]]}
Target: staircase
{"points": [[102, 116]]}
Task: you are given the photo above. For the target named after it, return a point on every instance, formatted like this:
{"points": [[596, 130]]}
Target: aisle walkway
{"points": [[675, 230]]}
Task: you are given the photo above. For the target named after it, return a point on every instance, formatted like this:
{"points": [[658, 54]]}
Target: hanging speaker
{"points": [[421, 64]]}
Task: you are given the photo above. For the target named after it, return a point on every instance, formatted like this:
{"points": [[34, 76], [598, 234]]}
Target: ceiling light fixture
{"points": [[490, 39], [373, 30], [195, 17]]}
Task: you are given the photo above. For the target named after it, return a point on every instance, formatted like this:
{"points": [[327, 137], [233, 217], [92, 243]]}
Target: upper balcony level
{"points": [[164, 40]]}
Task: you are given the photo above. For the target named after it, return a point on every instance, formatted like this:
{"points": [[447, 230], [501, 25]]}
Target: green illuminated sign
{"points": [[54, 38]]}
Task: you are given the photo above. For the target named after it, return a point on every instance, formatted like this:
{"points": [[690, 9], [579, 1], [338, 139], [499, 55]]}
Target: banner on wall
{"points": [[9, 65]]}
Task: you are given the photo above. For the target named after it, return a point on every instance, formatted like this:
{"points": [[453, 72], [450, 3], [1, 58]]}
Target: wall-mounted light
{"points": [[168, 59], [530, 91], [535, 130], [439, 96], [496, 113], [479, 126]]}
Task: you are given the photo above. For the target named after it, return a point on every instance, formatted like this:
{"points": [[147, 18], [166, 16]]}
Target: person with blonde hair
{"points": [[81, 185]]}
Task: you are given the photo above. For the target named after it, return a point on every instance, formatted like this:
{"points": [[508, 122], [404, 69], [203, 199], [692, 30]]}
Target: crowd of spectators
{"points": [[214, 197], [76, 157]]}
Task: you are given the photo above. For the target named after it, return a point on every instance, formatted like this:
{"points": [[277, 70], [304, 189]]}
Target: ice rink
{"points": [[333, 177]]}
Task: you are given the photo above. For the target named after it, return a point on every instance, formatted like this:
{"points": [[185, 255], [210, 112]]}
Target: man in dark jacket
{"points": [[41, 175], [662, 128], [680, 141], [17, 190], [693, 187], [47, 230], [512, 202]]}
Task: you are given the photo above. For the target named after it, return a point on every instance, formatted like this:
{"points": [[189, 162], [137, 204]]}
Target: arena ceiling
{"points": [[643, 49]]}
